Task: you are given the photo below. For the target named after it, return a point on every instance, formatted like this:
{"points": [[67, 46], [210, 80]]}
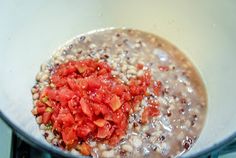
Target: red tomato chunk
{"points": [[87, 102]]}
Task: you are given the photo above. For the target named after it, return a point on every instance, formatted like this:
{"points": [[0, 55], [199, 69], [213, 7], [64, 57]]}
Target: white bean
{"points": [[92, 143], [38, 76], [108, 154], [39, 119], [60, 58], [180, 136], [43, 67], [132, 60], [70, 57], [145, 128], [127, 147], [125, 79], [57, 61], [187, 124], [44, 77], [92, 46], [102, 147], [124, 68], [114, 73], [135, 141], [50, 136], [140, 73], [34, 90], [36, 96], [132, 71], [54, 141], [42, 127], [35, 102]]}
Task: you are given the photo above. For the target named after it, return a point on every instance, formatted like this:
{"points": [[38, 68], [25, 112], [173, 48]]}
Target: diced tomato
{"points": [[149, 112], [93, 84], [85, 108], [127, 107], [65, 94], [139, 66], [114, 140], [163, 68], [41, 110], [73, 105], [81, 68], [100, 122], [157, 87], [72, 84], [69, 135], [115, 103], [96, 97], [118, 116], [88, 102], [46, 117], [83, 131], [58, 81], [82, 83], [40, 104], [118, 90], [65, 117], [104, 131], [84, 149], [154, 112]]}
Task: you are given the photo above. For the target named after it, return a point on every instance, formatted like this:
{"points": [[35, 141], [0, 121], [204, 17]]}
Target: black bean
{"points": [[55, 132], [129, 30], [192, 123], [162, 138], [45, 134], [183, 101], [195, 117], [190, 140], [159, 45], [122, 152], [134, 116], [168, 113], [125, 40], [62, 144], [135, 125], [80, 142], [106, 56], [148, 135], [140, 121], [70, 46], [79, 52], [82, 38], [154, 148], [186, 145], [181, 110]]}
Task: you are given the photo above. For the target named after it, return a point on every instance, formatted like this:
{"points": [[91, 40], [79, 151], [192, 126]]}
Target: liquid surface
{"points": [[182, 100]]}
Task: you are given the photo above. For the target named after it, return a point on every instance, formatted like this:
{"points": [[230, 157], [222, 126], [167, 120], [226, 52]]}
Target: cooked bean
{"points": [[127, 147], [108, 154], [36, 96]]}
